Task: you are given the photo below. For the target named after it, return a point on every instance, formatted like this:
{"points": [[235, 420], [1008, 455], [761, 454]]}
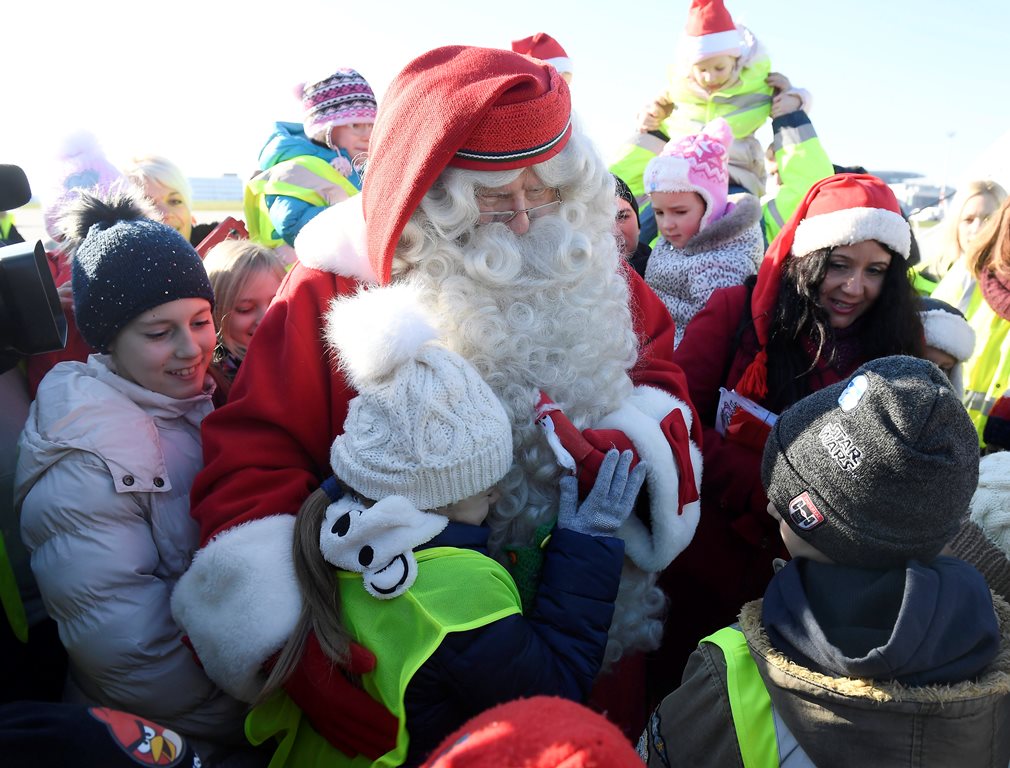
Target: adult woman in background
{"points": [[831, 293], [969, 211], [987, 372]]}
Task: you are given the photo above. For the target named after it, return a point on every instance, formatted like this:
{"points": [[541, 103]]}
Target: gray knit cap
{"points": [[125, 264], [878, 469]]}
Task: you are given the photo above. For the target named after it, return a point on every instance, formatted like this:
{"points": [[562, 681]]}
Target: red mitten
{"points": [[346, 716], [748, 430]]}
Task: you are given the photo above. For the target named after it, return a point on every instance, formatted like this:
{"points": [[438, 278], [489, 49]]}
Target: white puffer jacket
{"points": [[103, 478]]}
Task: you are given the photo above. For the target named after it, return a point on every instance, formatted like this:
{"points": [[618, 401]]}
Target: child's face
{"points": [[240, 322], [167, 349], [626, 225], [941, 359], [715, 72], [353, 137], [797, 547], [473, 509], [678, 215]]}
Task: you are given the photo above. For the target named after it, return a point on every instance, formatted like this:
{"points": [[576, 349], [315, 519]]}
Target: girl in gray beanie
{"points": [[106, 461]]}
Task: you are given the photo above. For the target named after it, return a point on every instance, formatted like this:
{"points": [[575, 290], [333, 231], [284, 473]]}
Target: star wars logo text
{"points": [[840, 446]]}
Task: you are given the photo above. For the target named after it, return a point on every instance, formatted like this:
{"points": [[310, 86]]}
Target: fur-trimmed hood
{"points": [[846, 721], [743, 211]]}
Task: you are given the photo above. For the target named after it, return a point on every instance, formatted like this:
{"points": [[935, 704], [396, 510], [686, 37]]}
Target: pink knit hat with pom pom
{"points": [[698, 163]]}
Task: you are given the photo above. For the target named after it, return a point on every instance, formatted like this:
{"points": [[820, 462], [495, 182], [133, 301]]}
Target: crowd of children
{"points": [[491, 504]]}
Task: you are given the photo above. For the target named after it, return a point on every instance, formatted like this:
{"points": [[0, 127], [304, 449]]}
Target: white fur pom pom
{"points": [[377, 330]]}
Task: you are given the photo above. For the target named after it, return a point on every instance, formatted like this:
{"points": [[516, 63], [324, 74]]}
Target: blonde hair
{"points": [[229, 265], [990, 250], [317, 582], [160, 170], [951, 250]]}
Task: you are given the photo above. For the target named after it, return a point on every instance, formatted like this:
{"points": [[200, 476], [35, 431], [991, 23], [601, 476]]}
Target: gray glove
{"points": [[609, 503]]}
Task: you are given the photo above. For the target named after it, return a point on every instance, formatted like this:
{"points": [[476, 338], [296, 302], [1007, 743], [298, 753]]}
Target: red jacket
{"points": [[269, 447]]}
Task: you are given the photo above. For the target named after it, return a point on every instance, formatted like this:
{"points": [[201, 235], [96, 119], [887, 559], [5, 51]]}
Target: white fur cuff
{"points": [[239, 602], [672, 528], [334, 241]]}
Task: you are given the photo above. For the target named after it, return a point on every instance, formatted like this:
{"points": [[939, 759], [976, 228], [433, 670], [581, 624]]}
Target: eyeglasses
{"points": [[535, 212]]}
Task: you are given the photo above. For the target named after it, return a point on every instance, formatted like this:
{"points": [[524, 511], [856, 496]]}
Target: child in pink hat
{"points": [[706, 241]]}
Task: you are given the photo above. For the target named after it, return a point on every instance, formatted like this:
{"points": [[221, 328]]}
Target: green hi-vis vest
{"points": [[987, 371], [456, 590], [14, 608], [746, 105], [266, 183], [749, 701], [6, 222]]}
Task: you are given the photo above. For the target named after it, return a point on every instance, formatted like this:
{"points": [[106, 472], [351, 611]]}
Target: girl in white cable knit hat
{"points": [[425, 443]]}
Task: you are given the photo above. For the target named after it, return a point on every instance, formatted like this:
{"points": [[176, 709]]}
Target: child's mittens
{"points": [[611, 500], [342, 166], [652, 115]]}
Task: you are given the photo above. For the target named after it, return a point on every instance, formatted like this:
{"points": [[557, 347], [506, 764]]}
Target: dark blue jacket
{"points": [[555, 649], [922, 624]]}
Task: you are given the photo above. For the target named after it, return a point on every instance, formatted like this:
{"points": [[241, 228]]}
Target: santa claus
{"points": [[481, 189]]}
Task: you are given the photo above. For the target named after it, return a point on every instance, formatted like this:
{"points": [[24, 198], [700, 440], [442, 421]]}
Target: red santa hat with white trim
{"points": [[544, 47], [483, 109], [709, 32], [840, 210]]}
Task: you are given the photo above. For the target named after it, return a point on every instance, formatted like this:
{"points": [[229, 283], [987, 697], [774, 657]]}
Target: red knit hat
{"points": [[710, 31], [479, 108], [544, 47], [839, 210], [539, 732]]}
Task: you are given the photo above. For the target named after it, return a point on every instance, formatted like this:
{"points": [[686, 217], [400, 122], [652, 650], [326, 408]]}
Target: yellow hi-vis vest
{"points": [[6, 222], [987, 371], [456, 590], [269, 182]]}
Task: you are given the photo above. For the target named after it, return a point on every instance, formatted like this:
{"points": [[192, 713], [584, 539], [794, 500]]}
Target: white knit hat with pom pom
{"points": [[424, 424]]}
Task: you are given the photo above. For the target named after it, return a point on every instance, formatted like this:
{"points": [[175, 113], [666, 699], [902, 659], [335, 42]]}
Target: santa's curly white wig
{"points": [[547, 310]]}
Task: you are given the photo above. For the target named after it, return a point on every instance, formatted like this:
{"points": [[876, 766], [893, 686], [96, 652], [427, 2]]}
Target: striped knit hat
{"points": [[342, 98], [483, 109]]}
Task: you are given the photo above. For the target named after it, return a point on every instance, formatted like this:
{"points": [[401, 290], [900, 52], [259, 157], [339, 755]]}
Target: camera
{"points": [[31, 319]]}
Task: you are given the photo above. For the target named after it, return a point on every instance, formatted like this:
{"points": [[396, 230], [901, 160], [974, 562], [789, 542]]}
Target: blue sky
{"points": [[201, 82]]}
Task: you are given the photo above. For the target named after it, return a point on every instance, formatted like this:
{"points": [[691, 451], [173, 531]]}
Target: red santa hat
{"points": [[710, 31], [479, 108], [839, 210], [544, 47], [539, 732]]}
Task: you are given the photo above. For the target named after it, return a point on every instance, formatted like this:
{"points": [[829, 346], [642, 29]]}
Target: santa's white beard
{"points": [[544, 311]]}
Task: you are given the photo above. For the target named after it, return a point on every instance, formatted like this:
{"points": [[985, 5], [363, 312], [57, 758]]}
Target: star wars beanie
{"points": [[878, 469], [125, 264]]}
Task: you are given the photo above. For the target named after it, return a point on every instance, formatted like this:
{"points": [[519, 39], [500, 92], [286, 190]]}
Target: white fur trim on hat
{"points": [[950, 332], [728, 43], [852, 225], [334, 241], [239, 602], [670, 529]]}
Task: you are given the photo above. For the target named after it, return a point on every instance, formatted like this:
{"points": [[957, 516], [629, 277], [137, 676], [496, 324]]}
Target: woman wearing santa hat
{"points": [[831, 293]]}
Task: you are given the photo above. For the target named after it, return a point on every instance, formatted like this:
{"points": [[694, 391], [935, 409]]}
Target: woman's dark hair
{"points": [[801, 330]]}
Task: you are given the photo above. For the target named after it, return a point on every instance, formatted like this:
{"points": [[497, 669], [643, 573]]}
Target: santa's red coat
{"points": [[268, 448]]}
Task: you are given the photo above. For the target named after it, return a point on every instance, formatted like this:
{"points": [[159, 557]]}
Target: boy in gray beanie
{"points": [[870, 647]]}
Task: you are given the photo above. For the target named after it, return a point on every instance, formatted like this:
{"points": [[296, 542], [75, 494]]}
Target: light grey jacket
{"points": [[102, 485]]}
